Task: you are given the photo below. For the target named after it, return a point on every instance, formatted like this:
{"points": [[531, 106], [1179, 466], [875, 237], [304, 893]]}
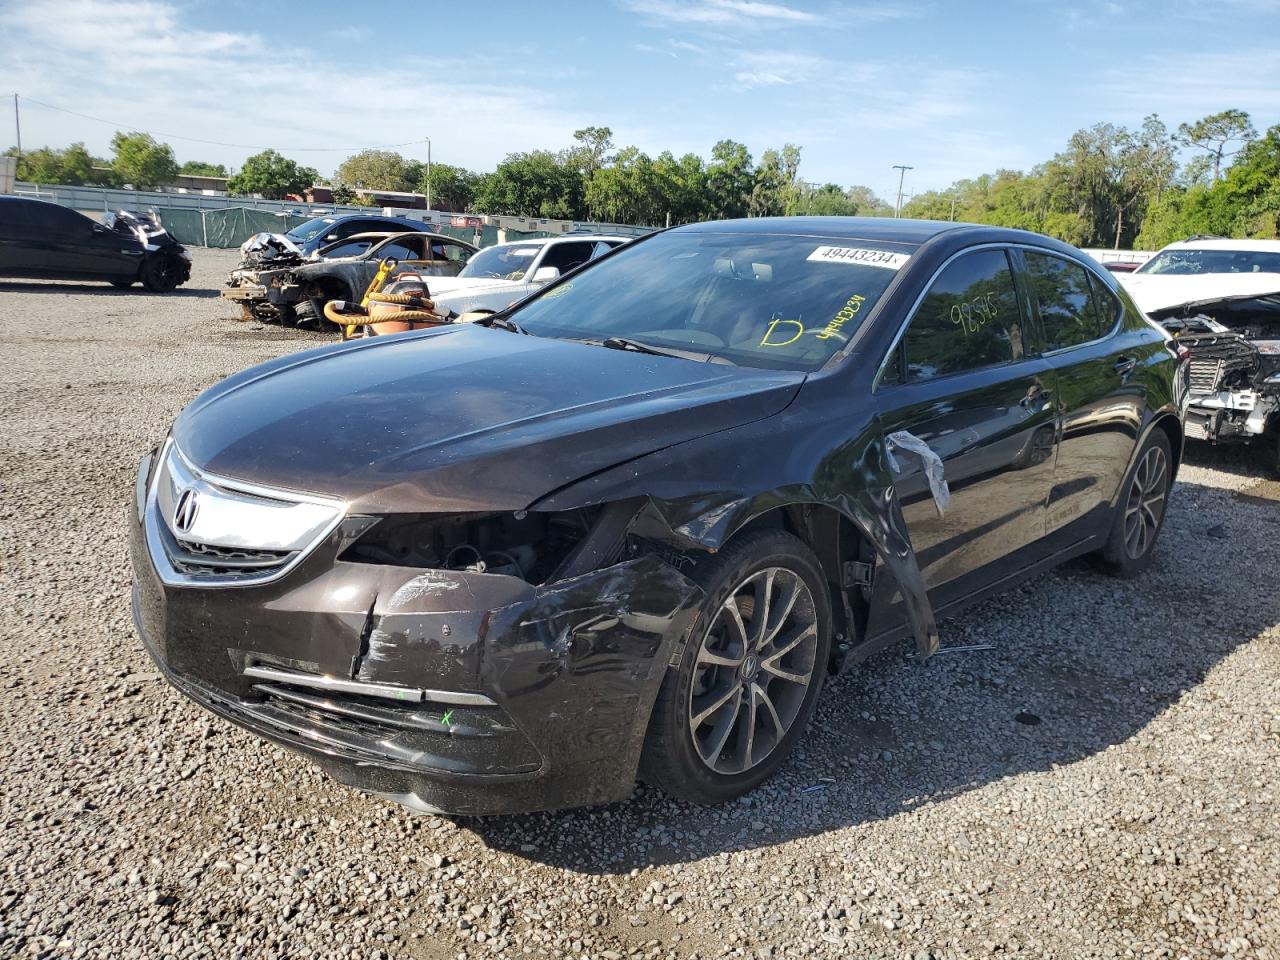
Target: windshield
{"points": [[309, 230], [1174, 262], [507, 262], [754, 299]]}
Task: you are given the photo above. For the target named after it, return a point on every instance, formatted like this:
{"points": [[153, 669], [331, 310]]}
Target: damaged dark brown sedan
{"points": [[629, 526]]}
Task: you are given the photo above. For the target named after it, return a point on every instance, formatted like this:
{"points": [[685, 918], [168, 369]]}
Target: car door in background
{"points": [[1091, 361], [961, 379]]}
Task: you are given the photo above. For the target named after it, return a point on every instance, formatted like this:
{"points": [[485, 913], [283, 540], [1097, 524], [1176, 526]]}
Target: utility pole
{"points": [[17, 124], [953, 209], [902, 173], [428, 175]]}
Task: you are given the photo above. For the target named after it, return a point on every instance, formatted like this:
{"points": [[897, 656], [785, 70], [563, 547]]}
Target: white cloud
{"points": [[769, 68], [720, 12], [138, 63]]}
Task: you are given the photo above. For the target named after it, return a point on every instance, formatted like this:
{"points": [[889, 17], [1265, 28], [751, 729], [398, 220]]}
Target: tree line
{"points": [[1110, 186], [1116, 187]]}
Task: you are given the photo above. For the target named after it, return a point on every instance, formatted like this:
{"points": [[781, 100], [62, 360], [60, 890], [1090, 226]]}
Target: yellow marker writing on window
{"points": [[768, 339]]}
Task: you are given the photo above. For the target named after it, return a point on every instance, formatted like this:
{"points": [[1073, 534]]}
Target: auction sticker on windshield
{"points": [[861, 256]]}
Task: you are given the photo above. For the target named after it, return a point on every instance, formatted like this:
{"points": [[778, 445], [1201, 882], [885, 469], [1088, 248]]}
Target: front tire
{"points": [[161, 273], [749, 673], [1140, 514]]}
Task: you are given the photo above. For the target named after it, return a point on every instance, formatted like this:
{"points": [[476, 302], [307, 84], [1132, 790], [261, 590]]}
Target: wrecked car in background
{"points": [[632, 524], [44, 241], [1221, 299], [307, 238], [292, 289]]}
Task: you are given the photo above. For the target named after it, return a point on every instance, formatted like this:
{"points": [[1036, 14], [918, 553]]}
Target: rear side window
{"points": [[1065, 299], [1105, 304], [969, 319]]}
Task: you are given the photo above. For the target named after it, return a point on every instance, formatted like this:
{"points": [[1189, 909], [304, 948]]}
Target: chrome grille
{"points": [[1205, 375], [208, 530]]}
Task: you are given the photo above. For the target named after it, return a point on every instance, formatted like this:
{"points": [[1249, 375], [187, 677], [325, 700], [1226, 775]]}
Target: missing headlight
{"points": [[528, 545]]}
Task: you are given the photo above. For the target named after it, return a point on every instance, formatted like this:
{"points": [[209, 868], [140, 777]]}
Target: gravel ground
{"points": [[1132, 810]]}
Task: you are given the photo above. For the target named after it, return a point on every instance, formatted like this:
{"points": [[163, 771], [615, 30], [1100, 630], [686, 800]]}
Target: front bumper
{"points": [[532, 698], [1231, 415]]}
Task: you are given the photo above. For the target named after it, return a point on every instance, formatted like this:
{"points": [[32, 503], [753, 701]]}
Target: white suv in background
{"points": [[498, 276]]}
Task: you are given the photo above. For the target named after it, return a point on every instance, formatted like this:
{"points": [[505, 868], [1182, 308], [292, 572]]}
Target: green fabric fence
{"points": [[228, 227]]}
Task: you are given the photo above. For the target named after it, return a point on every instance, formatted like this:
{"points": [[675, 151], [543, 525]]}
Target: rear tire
{"points": [[745, 686], [1140, 513]]}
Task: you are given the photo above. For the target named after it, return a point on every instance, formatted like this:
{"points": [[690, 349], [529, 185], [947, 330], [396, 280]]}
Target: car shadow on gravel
{"points": [[63, 288], [1255, 460], [1077, 662]]}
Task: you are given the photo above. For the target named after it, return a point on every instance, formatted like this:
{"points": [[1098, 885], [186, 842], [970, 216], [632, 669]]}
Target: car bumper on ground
{"points": [[450, 692]]}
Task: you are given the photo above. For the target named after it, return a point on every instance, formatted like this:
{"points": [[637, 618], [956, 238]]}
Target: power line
{"points": [[213, 143]]}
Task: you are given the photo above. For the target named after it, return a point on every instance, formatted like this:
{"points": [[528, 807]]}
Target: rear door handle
{"points": [[1125, 365]]}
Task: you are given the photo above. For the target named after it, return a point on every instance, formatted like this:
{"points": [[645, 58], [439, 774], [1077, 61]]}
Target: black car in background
{"points": [[40, 240], [630, 525]]}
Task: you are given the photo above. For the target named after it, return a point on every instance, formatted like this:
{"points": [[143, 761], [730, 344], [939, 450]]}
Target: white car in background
{"points": [[1221, 299], [498, 276]]}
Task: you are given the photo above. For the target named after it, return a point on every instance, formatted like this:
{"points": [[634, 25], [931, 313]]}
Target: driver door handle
{"points": [[1032, 400], [1125, 365]]}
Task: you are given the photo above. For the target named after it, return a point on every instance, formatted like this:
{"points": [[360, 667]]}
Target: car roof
{"points": [[338, 218], [574, 237], [1224, 243], [914, 234]]}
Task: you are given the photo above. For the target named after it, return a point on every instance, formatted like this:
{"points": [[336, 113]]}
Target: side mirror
{"points": [[545, 275]]}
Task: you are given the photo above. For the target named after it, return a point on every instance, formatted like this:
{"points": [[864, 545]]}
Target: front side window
{"points": [[404, 248], [755, 299], [969, 319], [1065, 300]]}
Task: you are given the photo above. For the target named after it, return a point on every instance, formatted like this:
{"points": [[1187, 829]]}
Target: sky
{"points": [[953, 89]]}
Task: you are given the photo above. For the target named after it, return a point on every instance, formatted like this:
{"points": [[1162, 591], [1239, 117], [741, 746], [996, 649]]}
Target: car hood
{"points": [[469, 285], [462, 417], [1156, 293]]}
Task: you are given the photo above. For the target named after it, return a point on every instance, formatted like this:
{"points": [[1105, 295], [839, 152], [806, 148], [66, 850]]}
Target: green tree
{"points": [[730, 179], [452, 188], [198, 168], [1215, 133], [142, 161], [533, 184], [378, 170], [73, 166], [271, 175]]}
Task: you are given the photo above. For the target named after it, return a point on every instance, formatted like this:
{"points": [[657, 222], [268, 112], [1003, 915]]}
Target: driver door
{"points": [[960, 380]]}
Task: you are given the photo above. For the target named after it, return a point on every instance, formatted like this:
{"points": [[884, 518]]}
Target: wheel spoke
{"points": [[735, 620], [770, 663], [760, 612], [747, 760], [728, 726], [763, 694], [787, 605], [700, 718], [709, 658]]}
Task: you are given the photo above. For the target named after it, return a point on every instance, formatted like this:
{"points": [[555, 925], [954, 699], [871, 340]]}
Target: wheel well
{"points": [[835, 540], [1173, 430]]}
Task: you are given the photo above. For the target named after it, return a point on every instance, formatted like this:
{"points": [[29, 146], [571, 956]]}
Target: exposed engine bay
{"points": [[530, 546], [1233, 365]]}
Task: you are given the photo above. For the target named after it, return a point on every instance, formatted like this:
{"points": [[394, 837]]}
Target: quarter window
{"points": [[968, 320], [1065, 298]]}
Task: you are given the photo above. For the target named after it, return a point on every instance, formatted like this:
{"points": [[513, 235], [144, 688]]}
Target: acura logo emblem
{"points": [[184, 514]]}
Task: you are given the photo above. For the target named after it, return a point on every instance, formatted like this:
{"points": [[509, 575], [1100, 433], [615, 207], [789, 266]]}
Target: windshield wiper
{"points": [[639, 346], [503, 323]]}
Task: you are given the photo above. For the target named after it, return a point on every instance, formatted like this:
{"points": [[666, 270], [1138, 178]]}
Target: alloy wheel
{"points": [[1146, 502], [753, 670]]}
